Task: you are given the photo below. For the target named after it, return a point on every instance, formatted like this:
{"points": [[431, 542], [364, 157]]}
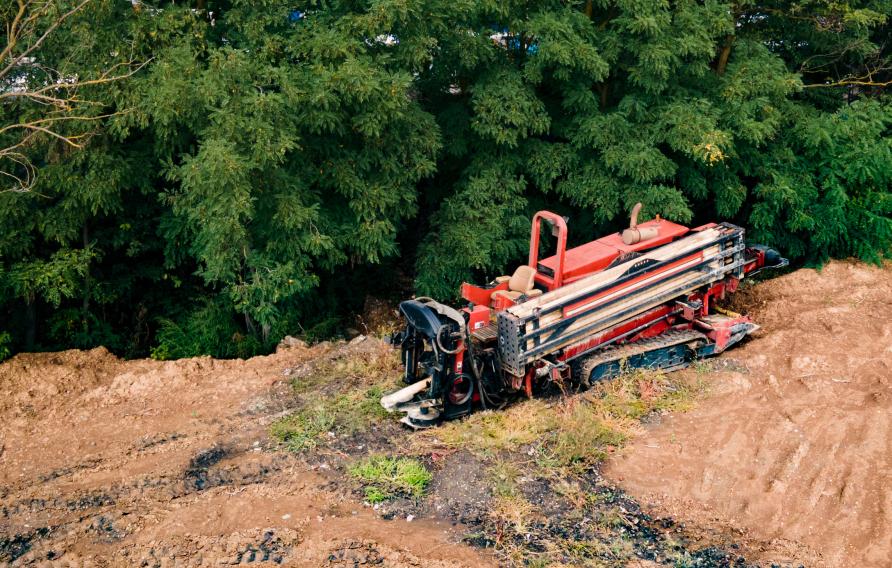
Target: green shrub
{"points": [[75, 327], [211, 330]]}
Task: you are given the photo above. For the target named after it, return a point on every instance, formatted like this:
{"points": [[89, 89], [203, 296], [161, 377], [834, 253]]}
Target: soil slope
{"points": [[106, 462], [794, 443]]}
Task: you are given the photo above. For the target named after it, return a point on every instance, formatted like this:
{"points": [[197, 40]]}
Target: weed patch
{"points": [[384, 477], [587, 434], [512, 515], [578, 431], [346, 370], [547, 508], [303, 430], [637, 393], [340, 395], [502, 477], [343, 414], [489, 432]]}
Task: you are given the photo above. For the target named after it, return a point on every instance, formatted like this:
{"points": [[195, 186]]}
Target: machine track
{"points": [[671, 350]]}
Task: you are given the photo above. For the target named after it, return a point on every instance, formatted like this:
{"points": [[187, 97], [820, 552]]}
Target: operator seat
{"points": [[519, 284]]}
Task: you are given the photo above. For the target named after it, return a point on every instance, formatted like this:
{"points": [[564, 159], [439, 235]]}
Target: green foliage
{"points": [[481, 226], [5, 340], [54, 279], [208, 330], [506, 110], [270, 154], [385, 477]]}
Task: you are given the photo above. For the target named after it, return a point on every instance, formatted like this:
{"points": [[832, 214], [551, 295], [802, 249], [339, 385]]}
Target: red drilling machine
{"points": [[643, 298]]}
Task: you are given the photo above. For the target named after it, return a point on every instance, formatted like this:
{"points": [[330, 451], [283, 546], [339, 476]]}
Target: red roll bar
{"points": [[556, 222]]}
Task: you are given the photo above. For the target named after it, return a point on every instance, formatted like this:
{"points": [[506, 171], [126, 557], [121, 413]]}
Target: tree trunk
{"points": [[249, 323], [87, 283], [603, 92], [724, 55]]}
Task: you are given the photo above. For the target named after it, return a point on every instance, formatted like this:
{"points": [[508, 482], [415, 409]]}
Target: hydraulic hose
{"points": [[440, 343], [475, 372]]}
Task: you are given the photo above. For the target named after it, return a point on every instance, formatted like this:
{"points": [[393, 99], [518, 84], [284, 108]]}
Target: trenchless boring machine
{"points": [[642, 298]]}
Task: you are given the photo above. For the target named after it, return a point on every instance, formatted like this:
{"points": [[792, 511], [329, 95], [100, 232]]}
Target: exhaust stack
{"points": [[633, 234]]}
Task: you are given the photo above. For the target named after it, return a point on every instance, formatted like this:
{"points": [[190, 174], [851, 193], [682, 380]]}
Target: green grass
{"points": [[488, 432], [594, 425], [385, 477], [639, 392], [587, 434], [303, 430], [344, 414], [341, 396], [576, 431]]}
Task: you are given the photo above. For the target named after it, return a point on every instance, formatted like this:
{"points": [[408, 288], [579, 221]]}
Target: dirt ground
{"points": [[794, 443], [106, 462]]}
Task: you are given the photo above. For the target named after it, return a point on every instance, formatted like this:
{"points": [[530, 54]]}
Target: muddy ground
{"points": [[105, 462], [142, 463]]}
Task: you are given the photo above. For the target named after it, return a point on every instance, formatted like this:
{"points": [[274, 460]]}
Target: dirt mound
{"points": [[794, 443], [32, 382], [106, 462]]}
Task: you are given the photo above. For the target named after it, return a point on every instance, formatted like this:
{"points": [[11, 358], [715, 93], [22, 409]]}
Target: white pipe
{"points": [[405, 394]]}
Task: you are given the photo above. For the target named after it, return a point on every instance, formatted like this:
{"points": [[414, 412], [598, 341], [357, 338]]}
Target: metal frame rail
{"points": [[524, 338]]}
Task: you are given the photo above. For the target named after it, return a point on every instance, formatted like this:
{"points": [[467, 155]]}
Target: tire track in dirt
{"points": [[146, 463], [795, 446]]}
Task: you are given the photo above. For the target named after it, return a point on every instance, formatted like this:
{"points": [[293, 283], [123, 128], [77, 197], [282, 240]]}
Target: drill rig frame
{"points": [[640, 299]]}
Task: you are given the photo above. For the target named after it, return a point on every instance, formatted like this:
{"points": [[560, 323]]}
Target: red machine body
{"points": [[566, 266], [643, 297]]}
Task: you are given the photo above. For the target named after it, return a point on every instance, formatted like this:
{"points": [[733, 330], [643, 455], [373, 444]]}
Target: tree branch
{"points": [[27, 80], [17, 59], [849, 83]]}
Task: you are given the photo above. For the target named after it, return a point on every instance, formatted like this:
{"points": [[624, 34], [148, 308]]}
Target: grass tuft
{"points": [[489, 432], [384, 477], [341, 396], [512, 515], [303, 430], [502, 477], [587, 434], [639, 392]]}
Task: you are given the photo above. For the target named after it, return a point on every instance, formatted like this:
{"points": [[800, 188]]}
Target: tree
{"points": [[45, 85], [302, 151], [275, 162], [693, 108]]}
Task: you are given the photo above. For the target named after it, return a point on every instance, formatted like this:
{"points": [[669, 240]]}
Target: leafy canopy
{"points": [[274, 163]]}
